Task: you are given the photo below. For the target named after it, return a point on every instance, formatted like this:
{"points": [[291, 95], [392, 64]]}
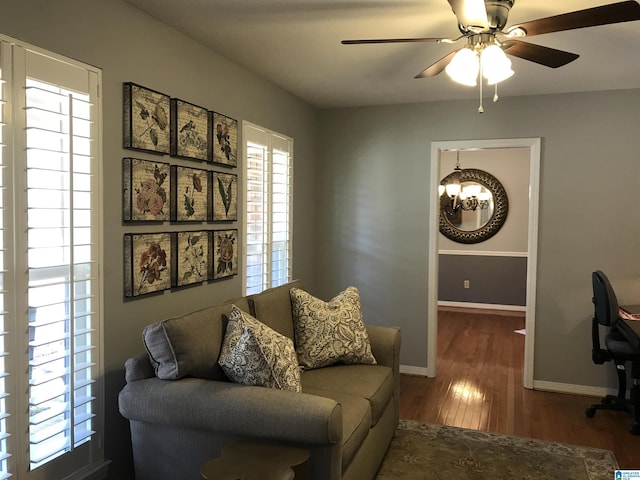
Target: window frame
{"points": [[271, 142], [18, 62]]}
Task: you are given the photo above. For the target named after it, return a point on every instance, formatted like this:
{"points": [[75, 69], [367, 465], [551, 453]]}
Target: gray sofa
{"points": [[182, 409]]}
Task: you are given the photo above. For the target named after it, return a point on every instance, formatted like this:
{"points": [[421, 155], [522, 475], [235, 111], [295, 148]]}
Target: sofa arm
{"points": [[233, 408], [385, 345]]}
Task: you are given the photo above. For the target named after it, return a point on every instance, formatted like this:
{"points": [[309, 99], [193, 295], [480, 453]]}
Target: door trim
{"points": [[533, 144]]}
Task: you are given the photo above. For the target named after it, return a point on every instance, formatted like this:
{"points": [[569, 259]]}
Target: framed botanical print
{"points": [[225, 197], [225, 258], [192, 258], [225, 139], [146, 190], [146, 119], [147, 263], [191, 194], [190, 132]]}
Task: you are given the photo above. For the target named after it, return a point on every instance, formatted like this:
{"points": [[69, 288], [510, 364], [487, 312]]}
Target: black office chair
{"points": [[617, 349]]}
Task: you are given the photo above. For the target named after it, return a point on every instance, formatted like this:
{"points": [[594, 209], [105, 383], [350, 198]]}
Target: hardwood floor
{"points": [[479, 386]]}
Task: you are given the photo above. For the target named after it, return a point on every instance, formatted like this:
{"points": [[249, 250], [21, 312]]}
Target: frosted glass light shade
{"points": [[472, 190], [496, 67], [453, 189], [475, 13], [464, 67], [484, 195]]}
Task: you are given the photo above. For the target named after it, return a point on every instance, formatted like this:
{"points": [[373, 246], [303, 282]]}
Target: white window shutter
{"points": [[268, 208]]}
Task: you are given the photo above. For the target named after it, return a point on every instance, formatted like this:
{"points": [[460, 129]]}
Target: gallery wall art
{"points": [[190, 133], [147, 263], [191, 194], [225, 197], [174, 193], [146, 119], [225, 262], [193, 257], [225, 139], [146, 190]]}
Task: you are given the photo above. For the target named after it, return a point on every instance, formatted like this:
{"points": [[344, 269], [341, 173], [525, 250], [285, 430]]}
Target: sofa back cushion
{"points": [[273, 308], [190, 345]]}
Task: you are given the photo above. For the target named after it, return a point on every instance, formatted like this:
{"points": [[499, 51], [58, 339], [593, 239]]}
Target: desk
{"points": [[629, 328]]}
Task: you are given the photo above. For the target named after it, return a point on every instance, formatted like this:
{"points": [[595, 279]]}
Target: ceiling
{"points": [[296, 44]]}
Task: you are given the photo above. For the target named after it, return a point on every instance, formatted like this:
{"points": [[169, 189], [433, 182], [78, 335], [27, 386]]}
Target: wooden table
{"points": [[255, 461]]}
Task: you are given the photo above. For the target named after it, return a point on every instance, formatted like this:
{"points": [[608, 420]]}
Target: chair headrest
{"points": [[604, 299]]}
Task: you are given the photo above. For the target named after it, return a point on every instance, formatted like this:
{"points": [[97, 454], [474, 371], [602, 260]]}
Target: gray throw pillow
{"points": [[188, 346], [254, 354], [330, 332]]}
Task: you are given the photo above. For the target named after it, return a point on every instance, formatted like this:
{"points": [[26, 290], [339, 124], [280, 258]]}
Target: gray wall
{"points": [[131, 46], [369, 210], [497, 280], [373, 211]]}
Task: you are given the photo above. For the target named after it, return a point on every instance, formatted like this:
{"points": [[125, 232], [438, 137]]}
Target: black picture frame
{"points": [[147, 262], [225, 256], [191, 194], [225, 196], [146, 190], [145, 119], [190, 131], [224, 139], [192, 258]]}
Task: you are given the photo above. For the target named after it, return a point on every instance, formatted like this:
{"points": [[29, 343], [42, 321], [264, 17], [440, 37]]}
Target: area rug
{"points": [[435, 452]]}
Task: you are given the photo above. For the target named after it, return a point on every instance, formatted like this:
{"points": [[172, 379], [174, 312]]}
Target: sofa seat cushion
{"points": [[254, 354], [371, 382], [189, 346], [356, 420]]}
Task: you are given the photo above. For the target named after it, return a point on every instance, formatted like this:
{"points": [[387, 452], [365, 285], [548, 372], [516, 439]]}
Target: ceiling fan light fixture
{"points": [[500, 77], [496, 67], [475, 15], [464, 67], [516, 32]]}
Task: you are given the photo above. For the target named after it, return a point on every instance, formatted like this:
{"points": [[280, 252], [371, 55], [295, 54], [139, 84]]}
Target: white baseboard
{"points": [[411, 370], [572, 389], [482, 306]]}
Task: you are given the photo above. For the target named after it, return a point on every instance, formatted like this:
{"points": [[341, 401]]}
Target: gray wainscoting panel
{"points": [[495, 280]]}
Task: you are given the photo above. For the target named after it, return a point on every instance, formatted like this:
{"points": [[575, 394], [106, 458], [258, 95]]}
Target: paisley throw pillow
{"points": [[330, 332], [254, 354]]}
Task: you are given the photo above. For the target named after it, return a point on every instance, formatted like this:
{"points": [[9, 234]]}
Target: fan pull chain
{"points": [[495, 95], [480, 108]]}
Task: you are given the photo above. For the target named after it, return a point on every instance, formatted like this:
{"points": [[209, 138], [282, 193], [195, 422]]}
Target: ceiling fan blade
{"points": [[549, 57], [470, 13], [437, 67], [397, 40], [604, 15]]}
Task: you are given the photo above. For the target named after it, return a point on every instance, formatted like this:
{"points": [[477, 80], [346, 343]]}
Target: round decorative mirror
{"points": [[475, 208]]}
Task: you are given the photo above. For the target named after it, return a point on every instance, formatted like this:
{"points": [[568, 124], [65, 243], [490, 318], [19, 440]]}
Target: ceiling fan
{"points": [[482, 23]]}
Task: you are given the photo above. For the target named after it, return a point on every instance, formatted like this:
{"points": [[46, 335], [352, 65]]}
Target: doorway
{"points": [[437, 148]]}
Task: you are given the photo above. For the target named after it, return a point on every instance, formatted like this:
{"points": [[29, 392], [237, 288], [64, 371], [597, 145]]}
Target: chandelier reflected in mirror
{"points": [[469, 197], [473, 204]]}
